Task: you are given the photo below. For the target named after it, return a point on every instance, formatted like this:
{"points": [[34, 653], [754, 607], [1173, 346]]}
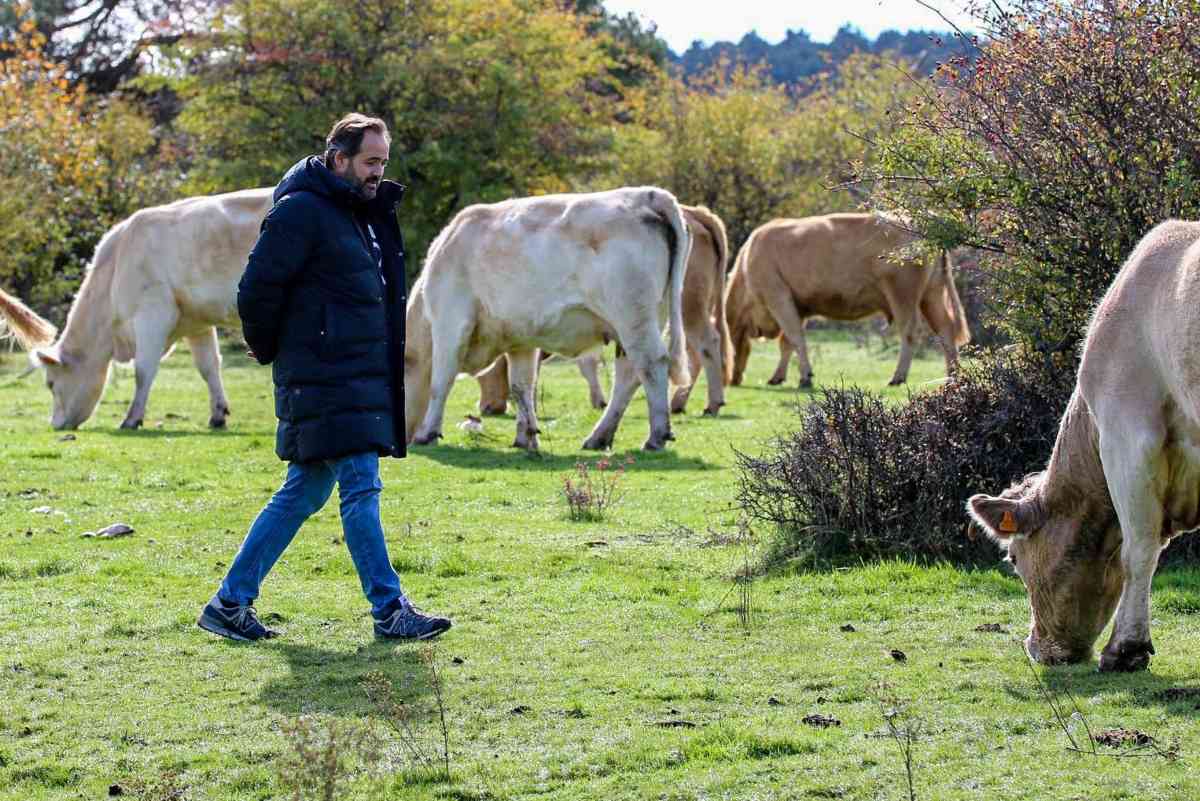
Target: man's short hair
{"points": [[347, 135]]}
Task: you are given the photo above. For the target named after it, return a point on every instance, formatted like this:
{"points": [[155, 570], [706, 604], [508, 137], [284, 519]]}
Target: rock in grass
{"points": [[110, 532]]}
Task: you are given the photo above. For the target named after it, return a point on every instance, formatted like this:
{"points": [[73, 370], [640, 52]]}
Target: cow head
{"points": [[76, 384], [1068, 559]]}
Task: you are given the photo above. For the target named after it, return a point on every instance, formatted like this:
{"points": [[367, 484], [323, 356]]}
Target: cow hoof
{"points": [[774, 381], [678, 410], [805, 383], [736, 382], [895, 382], [1130, 657], [493, 410], [131, 425], [216, 422], [600, 405], [712, 411], [427, 439], [597, 444], [651, 445]]}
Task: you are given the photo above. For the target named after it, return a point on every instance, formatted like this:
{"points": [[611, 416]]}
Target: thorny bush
{"points": [[860, 478]]}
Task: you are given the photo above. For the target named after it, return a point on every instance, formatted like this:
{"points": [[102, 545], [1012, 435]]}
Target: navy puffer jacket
{"points": [[315, 305]]}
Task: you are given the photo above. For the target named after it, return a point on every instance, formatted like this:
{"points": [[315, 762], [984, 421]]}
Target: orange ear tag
{"points": [[1008, 524]]}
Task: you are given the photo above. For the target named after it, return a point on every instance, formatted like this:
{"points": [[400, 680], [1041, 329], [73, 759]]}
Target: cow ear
{"points": [[44, 357], [1004, 519]]}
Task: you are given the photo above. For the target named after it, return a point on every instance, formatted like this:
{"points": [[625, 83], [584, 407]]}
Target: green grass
{"points": [[614, 635]]}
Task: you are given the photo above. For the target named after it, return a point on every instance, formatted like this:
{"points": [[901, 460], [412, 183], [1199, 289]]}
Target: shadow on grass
{"points": [[493, 456], [1082, 681], [331, 682]]}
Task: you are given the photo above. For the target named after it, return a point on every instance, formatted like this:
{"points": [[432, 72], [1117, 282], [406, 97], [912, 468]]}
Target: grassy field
{"points": [[599, 660]]}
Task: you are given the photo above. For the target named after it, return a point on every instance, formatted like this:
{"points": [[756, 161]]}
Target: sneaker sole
{"points": [[221, 631], [429, 635]]}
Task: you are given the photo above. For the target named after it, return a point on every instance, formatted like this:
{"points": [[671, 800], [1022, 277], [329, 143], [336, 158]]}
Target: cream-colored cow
{"points": [[842, 267], [704, 325], [164, 274], [1085, 534], [563, 273]]}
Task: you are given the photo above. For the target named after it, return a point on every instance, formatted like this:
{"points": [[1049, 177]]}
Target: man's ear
{"points": [[1004, 519]]}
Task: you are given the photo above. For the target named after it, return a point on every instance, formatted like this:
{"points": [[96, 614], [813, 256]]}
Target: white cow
{"points": [[165, 273], [1124, 478], [564, 273]]}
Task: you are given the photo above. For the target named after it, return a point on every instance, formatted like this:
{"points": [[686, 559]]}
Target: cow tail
{"points": [[679, 244], [716, 229], [23, 323], [962, 333]]}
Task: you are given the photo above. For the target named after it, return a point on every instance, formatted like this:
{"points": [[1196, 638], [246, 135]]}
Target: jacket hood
{"points": [[311, 175]]}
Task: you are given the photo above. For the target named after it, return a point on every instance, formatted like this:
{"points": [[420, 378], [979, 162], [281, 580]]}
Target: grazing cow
{"points": [[704, 326], [1124, 477], [564, 273], [843, 267], [165, 273]]}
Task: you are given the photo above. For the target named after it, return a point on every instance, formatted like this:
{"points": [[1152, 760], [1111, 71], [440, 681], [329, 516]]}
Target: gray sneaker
{"points": [[406, 622], [237, 622]]}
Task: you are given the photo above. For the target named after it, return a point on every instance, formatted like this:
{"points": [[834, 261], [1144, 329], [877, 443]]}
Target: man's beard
{"points": [[365, 188]]}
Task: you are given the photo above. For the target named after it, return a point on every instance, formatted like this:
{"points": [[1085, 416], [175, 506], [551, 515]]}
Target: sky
{"points": [[682, 21]]}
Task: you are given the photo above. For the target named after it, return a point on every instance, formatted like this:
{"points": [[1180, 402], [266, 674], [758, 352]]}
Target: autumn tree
{"points": [[485, 101], [1060, 137], [750, 150], [69, 169]]}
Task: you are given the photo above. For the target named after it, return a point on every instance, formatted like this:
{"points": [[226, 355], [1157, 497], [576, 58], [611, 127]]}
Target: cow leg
{"points": [[150, 338], [625, 383], [781, 369], [493, 388], [934, 312], [783, 309], [522, 379], [206, 354], [1135, 467], [449, 343], [680, 398], [908, 340], [741, 357], [589, 368]]}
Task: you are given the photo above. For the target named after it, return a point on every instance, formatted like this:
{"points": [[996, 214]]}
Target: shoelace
{"points": [[245, 617]]}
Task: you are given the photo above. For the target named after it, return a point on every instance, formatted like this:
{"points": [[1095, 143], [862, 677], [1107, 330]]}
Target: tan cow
{"points": [[704, 325], [843, 267], [164, 274], [1124, 477], [562, 273]]}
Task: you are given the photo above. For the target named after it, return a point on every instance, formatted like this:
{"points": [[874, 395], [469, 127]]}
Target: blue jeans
{"points": [[304, 491]]}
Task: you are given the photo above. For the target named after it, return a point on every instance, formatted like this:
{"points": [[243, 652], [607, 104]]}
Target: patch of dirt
{"points": [[675, 723], [1188, 694], [820, 721], [992, 628], [848, 628], [1115, 738]]}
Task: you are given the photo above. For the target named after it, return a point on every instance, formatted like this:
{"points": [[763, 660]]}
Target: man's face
{"points": [[365, 170]]}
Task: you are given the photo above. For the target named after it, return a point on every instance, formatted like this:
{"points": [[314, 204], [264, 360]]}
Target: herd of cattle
{"points": [[505, 283], [561, 273]]}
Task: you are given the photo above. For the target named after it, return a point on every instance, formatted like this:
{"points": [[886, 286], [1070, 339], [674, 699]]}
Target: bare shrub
{"points": [[594, 489], [860, 478], [431, 761], [325, 756]]}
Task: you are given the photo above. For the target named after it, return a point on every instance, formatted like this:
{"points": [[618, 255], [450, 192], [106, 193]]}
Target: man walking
{"points": [[322, 301]]}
